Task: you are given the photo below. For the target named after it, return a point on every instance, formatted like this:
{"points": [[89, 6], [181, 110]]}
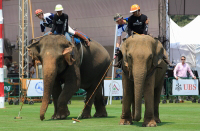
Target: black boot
{"points": [[119, 63]]}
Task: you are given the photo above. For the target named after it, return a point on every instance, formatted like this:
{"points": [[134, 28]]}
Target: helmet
{"points": [[134, 8], [117, 17], [58, 7], [38, 11]]}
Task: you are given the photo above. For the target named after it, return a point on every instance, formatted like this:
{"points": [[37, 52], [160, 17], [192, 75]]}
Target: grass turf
{"points": [[181, 116]]}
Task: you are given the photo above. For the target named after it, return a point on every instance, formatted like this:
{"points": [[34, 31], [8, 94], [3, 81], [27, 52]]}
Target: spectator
{"points": [[119, 73], [33, 70], [181, 70]]}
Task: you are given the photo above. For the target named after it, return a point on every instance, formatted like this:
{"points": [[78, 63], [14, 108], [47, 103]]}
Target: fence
{"points": [[13, 93]]}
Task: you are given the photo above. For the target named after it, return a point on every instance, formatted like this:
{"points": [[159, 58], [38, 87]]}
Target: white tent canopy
{"points": [[185, 41]]}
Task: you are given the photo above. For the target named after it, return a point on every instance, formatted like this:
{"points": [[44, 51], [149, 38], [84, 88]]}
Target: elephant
{"points": [[77, 66], [143, 74]]}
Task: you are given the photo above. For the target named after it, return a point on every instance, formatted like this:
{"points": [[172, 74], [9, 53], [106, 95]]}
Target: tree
{"points": [[182, 20]]}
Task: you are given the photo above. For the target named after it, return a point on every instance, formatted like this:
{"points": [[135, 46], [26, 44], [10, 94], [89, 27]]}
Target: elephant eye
{"points": [[64, 46]]}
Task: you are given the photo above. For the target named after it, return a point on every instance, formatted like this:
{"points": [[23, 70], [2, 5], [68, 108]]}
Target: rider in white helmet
{"points": [[60, 25]]}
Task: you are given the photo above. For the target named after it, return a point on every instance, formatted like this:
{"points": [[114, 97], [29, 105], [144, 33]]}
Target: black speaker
{"points": [[195, 72], [169, 73]]}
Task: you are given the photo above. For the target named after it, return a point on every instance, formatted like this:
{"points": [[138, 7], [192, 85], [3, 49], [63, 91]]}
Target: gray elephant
{"points": [[143, 74], [76, 67]]}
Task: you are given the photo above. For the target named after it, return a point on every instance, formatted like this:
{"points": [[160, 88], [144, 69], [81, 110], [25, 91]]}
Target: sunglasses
{"points": [[182, 59]]}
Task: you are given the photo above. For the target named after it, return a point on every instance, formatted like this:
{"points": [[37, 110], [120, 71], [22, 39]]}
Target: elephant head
{"points": [[54, 52], [141, 54]]}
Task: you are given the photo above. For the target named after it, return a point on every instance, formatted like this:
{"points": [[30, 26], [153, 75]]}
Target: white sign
{"points": [[35, 88], [185, 87], [116, 87]]}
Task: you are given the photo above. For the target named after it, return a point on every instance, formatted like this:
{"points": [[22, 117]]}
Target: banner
{"points": [[116, 87], [185, 87], [35, 88], [7, 87]]}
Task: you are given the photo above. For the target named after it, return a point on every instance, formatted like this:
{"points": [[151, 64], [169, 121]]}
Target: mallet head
{"points": [[17, 117]]}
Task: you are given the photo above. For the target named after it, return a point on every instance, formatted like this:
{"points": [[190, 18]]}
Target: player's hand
{"points": [[194, 77], [176, 78], [147, 21], [87, 42]]}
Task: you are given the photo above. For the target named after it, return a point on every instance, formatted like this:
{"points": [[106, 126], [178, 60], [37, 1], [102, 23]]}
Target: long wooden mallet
{"points": [[76, 120]]}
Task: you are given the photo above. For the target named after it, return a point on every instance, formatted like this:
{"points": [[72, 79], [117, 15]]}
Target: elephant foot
{"points": [[42, 117], [53, 116], [151, 123], [157, 120], [85, 116], [101, 114], [132, 118], [125, 122], [136, 118], [60, 115]]}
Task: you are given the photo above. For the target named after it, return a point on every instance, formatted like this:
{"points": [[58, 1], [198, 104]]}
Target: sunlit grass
{"points": [[181, 116]]}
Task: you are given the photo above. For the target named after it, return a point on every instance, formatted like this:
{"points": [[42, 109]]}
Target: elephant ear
{"points": [[67, 55], [34, 50], [158, 55]]}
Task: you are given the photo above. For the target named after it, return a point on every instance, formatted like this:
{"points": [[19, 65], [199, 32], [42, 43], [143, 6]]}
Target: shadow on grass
{"points": [[139, 124], [70, 118]]}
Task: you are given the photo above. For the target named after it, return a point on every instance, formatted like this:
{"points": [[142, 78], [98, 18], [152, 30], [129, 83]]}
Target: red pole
{"points": [[1, 59]]}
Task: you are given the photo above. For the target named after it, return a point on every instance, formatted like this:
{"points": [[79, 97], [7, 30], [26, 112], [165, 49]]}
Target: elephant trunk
{"points": [[49, 73], [139, 74]]}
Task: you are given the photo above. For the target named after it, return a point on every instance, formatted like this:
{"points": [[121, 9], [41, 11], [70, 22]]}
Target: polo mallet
{"points": [[76, 120], [18, 117]]}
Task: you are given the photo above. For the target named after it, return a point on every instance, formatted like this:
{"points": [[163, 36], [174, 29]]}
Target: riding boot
{"points": [[119, 63]]}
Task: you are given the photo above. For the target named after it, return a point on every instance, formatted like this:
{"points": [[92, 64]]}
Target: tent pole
{"points": [[22, 39], [113, 64], [32, 27]]}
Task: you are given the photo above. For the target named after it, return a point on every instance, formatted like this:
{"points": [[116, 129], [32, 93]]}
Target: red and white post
{"points": [[1, 59]]}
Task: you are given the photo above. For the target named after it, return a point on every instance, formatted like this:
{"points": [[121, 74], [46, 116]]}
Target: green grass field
{"points": [[181, 116]]}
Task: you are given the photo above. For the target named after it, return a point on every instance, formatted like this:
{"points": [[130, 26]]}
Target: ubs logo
{"points": [[178, 87], [39, 87]]}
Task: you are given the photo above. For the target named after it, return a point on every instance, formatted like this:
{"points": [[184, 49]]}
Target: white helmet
{"points": [[58, 7]]}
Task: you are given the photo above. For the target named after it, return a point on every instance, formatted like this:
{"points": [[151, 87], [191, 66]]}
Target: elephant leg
{"points": [[63, 99], [55, 94], [157, 93], [88, 104], [72, 84], [133, 107], [149, 102], [99, 104], [127, 101]]}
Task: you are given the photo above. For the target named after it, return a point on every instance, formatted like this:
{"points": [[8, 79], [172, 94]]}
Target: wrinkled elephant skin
{"points": [[75, 66], [142, 63]]}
